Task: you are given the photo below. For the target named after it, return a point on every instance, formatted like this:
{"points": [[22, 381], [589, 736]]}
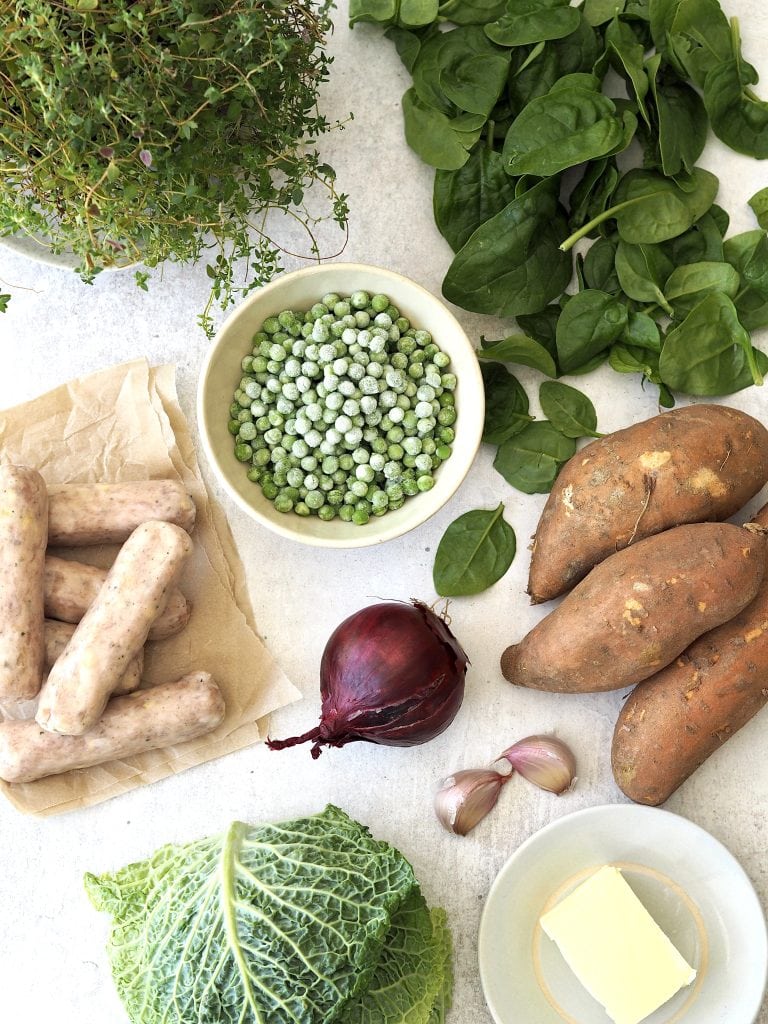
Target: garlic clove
{"points": [[543, 760], [465, 798]]}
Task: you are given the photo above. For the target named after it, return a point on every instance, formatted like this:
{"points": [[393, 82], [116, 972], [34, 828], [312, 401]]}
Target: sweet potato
{"points": [[640, 608], [674, 721], [696, 464]]}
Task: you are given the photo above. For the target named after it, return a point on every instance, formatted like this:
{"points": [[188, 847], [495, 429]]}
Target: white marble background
{"points": [[52, 961]]}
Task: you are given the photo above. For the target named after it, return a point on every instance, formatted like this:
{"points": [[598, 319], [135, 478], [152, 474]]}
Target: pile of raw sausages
{"points": [[661, 594], [86, 627]]}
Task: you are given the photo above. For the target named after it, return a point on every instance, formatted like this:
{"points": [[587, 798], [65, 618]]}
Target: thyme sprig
{"points": [[140, 131]]}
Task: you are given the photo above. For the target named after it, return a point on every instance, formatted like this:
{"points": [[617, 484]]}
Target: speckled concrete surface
{"points": [[53, 965]]}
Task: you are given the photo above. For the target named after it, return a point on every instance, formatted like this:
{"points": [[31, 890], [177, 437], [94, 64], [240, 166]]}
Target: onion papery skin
{"points": [[392, 673]]}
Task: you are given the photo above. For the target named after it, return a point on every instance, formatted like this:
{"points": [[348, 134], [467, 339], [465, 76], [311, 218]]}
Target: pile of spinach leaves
{"points": [[509, 104]]}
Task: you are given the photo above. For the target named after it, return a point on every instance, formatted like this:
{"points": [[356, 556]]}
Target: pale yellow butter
{"points": [[615, 948]]}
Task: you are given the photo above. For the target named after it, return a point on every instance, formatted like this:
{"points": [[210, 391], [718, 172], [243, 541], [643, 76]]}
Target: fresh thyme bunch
{"points": [[138, 131]]}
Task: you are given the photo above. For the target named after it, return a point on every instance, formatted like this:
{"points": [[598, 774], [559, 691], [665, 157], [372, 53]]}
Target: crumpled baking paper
{"points": [[125, 423]]}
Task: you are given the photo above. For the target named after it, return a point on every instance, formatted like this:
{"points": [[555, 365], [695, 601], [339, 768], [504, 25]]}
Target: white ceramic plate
{"points": [[693, 887]]}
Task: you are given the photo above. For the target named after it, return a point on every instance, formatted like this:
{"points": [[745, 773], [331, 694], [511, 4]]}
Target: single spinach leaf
{"points": [[691, 35], [592, 194], [472, 71], [759, 205], [590, 322], [710, 353], [406, 43], [642, 332], [651, 208], [512, 264], [686, 286], [568, 410], [417, 13], [531, 460], [704, 241], [600, 266], [625, 358], [426, 75], [600, 12], [521, 350], [379, 11], [472, 12], [642, 271], [474, 553], [465, 198], [738, 117], [748, 254], [429, 134], [535, 70], [626, 55], [564, 128], [681, 119], [531, 21], [506, 404], [542, 327]]}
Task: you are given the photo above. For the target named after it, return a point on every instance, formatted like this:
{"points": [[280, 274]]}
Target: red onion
{"points": [[392, 673]]}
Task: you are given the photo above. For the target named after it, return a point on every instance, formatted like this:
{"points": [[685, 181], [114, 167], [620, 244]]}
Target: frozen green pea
{"points": [[425, 482], [446, 417], [302, 509], [255, 474], [283, 503], [247, 431], [359, 300], [271, 325], [234, 426], [379, 302]]}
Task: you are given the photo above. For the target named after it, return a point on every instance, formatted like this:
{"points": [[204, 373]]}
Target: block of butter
{"points": [[615, 948]]}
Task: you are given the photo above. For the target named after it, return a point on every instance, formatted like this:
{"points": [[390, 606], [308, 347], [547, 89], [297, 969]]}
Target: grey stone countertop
{"points": [[53, 965]]}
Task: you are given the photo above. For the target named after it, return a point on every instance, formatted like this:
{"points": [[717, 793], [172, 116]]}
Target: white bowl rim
{"points": [[384, 533]]}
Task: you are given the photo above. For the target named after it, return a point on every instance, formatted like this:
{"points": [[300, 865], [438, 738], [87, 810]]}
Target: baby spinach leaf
{"points": [[512, 263], [381, 11], [429, 134], [590, 322], [406, 43], [566, 127], [506, 404], [465, 198], [426, 75], [592, 194], [531, 21], [626, 55], [542, 327], [642, 271], [534, 71], [710, 353], [568, 410], [531, 460], [759, 204], [472, 12], [642, 331], [472, 71], [681, 119], [686, 286], [652, 208], [521, 350], [417, 13], [474, 553], [600, 12], [600, 266], [692, 35], [738, 117], [704, 241], [748, 254]]}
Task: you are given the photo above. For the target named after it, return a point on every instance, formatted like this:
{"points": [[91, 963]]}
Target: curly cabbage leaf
{"points": [[303, 922]]}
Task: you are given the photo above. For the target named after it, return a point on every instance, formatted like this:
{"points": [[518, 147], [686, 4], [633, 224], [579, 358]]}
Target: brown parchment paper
{"points": [[125, 423]]}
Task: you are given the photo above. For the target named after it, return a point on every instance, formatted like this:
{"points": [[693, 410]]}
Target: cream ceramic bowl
{"points": [[221, 373]]}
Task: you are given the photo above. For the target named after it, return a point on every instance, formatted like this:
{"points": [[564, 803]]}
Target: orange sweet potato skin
{"points": [[672, 722], [639, 609], [700, 463]]}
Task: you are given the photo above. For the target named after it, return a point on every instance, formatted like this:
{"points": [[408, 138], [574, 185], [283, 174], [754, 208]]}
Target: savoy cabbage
{"points": [[303, 922]]}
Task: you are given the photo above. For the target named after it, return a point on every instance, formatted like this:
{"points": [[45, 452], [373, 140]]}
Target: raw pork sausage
{"points": [[114, 629], [82, 514], [71, 588], [23, 534], [161, 716]]}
